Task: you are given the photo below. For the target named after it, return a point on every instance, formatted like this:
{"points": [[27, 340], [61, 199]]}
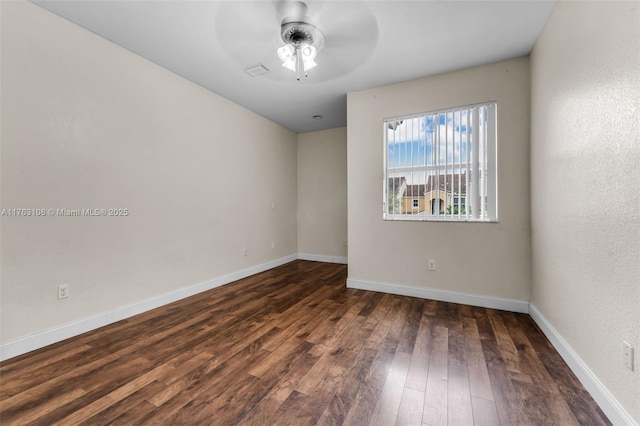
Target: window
{"points": [[459, 205], [442, 165]]}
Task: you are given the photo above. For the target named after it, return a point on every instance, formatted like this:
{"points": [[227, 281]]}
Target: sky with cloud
{"points": [[419, 144]]}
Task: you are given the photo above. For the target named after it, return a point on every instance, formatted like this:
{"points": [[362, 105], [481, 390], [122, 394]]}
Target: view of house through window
{"points": [[441, 165]]}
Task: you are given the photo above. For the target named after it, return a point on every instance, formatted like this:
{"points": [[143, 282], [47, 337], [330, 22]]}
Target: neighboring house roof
{"points": [[415, 191], [449, 183], [397, 184]]}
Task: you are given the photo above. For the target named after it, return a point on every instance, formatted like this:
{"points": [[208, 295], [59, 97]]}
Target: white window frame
{"points": [[478, 168]]}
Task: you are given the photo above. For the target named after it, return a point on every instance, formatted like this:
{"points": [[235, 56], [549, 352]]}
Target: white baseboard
{"points": [[512, 305], [322, 258], [607, 402], [43, 338]]}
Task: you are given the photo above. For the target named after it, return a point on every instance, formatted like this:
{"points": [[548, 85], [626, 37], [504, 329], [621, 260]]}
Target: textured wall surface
{"points": [[322, 192], [86, 124], [489, 259], [585, 180]]}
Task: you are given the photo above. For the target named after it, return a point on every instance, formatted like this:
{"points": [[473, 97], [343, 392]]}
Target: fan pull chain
{"points": [[299, 63]]}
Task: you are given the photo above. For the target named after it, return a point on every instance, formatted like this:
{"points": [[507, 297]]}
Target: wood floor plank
{"points": [[230, 406], [479, 382], [279, 357], [430, 307], [435, 398], [113, 397], [35, 412], [186, 374], [347, 389], [410, 320], [459, 409], [366, 398], [197, 396], [419, 368], [20, 376], [556, 405], [331, 327], [90, 377], [266, 408], [128, 408], [411, 407], [377, 322], [293, 345], [372, 302], [505, 344], [322, 380], [484, 412], [287, 413], [132, 416], [581, 404], [508, 406], [388, 404], [299, 319]]}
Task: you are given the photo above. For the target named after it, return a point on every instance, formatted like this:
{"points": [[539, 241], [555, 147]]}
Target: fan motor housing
{"points": [[296, 33]]}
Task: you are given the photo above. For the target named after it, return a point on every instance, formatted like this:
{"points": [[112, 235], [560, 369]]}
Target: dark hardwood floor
{"points": [[294, 346]]}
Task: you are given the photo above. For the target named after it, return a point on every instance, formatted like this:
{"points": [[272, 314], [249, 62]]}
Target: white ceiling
{"points": [[212, 43]]}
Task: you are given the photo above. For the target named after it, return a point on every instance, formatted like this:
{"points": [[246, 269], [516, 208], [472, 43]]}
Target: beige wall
{"points": [[585, 150], [491, 259], [86, 124], [322, 193]]}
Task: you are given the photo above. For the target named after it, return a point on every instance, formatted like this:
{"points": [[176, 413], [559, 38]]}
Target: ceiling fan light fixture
{"points": [[286, 52], [308, 51], [287, 55], [290, 64], [308, 64], [302, 42], [308, 54]]}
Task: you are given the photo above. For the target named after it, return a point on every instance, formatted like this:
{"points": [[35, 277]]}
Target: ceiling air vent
{"points": [[257, 70]]}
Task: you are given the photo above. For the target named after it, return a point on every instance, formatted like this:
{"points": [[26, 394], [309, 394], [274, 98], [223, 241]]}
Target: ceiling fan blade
{"points": [[247, 31], [352, 21], [350, 36], [236, 20]]}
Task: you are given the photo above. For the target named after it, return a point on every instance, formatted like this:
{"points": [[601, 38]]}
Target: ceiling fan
{"points": [[331, 37]]}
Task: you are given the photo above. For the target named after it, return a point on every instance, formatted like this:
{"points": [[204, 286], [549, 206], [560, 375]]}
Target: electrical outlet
{"points": [[628, 355], [431, 265], [63, 291], [245, 251], [273, 245]]}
